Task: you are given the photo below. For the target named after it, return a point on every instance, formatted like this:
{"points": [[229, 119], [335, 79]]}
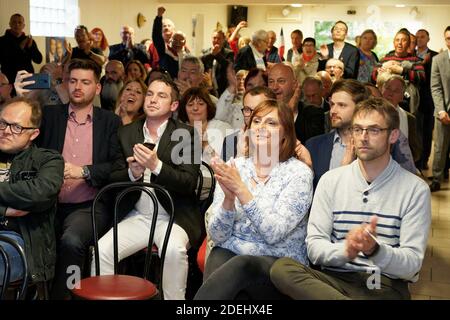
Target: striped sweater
{"points": [[344, 200], [413, 70]]}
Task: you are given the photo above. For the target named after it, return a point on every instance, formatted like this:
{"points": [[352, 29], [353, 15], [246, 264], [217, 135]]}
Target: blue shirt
{"points": [[274, 222]]}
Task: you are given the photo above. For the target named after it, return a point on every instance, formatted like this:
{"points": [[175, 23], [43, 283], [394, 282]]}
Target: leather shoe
{"points": [[435, 186]]}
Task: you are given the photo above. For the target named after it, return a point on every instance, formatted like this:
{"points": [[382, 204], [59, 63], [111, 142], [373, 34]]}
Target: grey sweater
{"points": [[344, 199]]}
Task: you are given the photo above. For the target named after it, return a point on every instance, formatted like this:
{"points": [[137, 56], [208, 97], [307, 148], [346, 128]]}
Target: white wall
{"points": [[110, 15]]}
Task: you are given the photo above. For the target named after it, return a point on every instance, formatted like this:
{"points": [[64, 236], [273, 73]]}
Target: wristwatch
{"points": [[85, 172]]}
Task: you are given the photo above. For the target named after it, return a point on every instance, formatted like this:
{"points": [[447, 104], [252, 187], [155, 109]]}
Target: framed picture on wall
{"points": [[54, 48]]}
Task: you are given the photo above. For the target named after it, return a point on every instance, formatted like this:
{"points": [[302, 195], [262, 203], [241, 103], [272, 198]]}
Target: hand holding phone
{"points": [[41, 81], [149, 145]]}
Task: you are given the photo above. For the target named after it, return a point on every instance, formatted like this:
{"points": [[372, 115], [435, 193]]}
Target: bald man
{"points": [[111, 83], [18, 50], [309, 120], [128, 50]]}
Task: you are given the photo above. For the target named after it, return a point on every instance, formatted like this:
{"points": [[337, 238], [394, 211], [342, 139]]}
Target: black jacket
{"points": [[223, 58], [349, 56], [180, 180], [245, 59], [13, 58], [106, 149], [36, 177]]}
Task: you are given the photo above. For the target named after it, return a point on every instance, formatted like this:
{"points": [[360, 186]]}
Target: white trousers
{"points": [[133, 234]]}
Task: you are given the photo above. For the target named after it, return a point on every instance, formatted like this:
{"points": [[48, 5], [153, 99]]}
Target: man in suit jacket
{"points": [[173, 163], [217, 59], [425, 114], [86, 136], [253, 55], [341, 50], [128, 50], [440, 90]]}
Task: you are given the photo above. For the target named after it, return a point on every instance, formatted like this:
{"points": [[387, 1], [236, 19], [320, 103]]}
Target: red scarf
{"points": [[307, 58]]}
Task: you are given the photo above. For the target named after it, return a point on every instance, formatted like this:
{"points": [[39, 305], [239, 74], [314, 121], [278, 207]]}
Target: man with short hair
{"points": [[309, 121], [85, 49], [253, 55], [111, 83], [190, 74], [336, 148], [86, 136], [369, 221], [341, 50], [295, 52], [440, 90], [5, 89], [30, 179], [271, 53], [216, 60], [17, 50], [312, 93], [173, 164], [335, 68], [425, 114], [128, 49]]}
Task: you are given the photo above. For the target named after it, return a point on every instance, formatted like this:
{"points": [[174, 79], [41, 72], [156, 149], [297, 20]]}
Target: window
{"points": [[54, 18]]}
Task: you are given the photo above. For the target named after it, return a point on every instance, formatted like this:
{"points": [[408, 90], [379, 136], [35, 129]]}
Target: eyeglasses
{"points": [[247, 111], [15, 128], [371, 131]]}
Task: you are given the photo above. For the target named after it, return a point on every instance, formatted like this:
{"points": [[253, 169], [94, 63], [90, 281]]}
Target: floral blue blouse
{"points": [[274, 222]]}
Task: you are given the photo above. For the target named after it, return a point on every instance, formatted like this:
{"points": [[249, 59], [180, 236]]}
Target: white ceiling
{"points": [[317, 2]]}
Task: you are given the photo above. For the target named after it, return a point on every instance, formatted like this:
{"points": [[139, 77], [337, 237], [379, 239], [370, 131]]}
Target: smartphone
{"points": [[42, 81], [149, 145]]}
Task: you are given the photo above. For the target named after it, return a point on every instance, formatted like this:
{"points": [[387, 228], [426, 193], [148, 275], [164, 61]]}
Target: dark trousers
{"points": [[426, 123], [304, 283], [74, 235], [229, 276]]}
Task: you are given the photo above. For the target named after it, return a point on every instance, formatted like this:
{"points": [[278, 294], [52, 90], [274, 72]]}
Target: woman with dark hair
{"points": [[130, 102], [259, 211], [197, 109]]}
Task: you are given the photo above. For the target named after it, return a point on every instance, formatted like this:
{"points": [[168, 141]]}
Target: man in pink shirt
{"points": [[86, 136]]}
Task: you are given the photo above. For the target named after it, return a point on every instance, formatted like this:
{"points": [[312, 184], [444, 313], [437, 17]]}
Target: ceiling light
{"points": [[296, 5], [400, 5]]}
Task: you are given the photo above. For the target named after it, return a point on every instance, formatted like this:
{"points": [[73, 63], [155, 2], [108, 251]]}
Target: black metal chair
{"points": [[204, 203], [24, 281], [126, 287]]}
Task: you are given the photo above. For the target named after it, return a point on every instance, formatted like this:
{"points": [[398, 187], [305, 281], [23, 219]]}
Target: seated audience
{"points": [[158, 166], [260, 209], [30, 180], [369, 221]]}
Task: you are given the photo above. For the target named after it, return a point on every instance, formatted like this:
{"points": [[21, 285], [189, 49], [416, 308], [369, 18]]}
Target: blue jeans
{"points": [[15, 261]]}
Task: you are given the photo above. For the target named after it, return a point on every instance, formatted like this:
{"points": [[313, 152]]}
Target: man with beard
{"points": [[111, 83], [336, 148], [86, 137], [369, 221]]}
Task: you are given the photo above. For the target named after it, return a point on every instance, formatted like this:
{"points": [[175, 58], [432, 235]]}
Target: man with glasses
{"points": [[341, 50], [369, 221], [30, 180], [5, 89], [336, 148], [128, 50], [335, 68]]}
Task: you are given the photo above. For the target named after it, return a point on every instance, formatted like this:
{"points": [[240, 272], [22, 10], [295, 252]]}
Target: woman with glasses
{"points": [[260, 209]]}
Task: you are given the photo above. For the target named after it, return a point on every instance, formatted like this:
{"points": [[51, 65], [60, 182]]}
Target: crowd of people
{"points": [[318, 158]]}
